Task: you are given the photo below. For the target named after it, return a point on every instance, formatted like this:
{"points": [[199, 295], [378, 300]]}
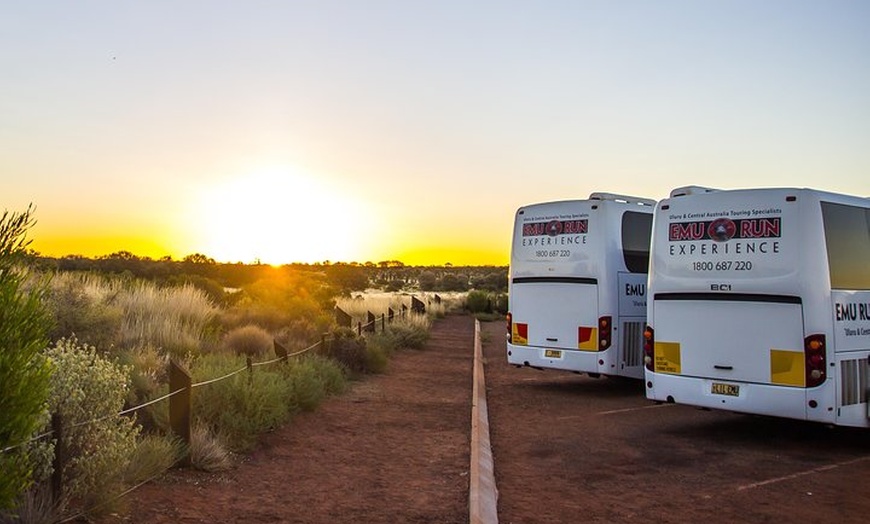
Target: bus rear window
{"points": [[847, 236], [636, 230]]}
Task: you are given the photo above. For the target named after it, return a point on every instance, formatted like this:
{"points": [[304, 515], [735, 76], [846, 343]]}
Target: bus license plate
{"points": [[552, 353], [731, 390]]}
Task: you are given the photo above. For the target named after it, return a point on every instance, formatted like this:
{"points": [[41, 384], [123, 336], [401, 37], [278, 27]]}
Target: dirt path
{"points": [[394, 449], [570, 448]]}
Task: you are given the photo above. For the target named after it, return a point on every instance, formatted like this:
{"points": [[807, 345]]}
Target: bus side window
{"points": [[847, 238], [636, 231]]}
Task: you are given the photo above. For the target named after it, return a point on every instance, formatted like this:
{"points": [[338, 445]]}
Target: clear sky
{"points": [[400, 129]]}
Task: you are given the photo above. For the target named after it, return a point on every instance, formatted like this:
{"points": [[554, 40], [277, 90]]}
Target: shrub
{"points": [[377, 355], [24, 373], [249, 340], [88, 391], [81, 305], [148, 370], [412, 332], [307, 389], [154, 454], [332, 375], [478, 302], [240, 407], [347, 349], [312, 378]]}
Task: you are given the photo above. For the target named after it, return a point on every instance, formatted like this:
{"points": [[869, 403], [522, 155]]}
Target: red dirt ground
{"points": [[393, 449], [566, 448]]}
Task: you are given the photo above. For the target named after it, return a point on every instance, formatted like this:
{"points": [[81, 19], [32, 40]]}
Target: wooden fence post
{"points": [[370, 322], [59, 458], [359, 329], [417, 306], [179, 405], [391, 314], [383, 322], [342, 318], [280, 350]]}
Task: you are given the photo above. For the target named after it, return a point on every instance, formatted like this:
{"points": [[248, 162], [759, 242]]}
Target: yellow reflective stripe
{"points": [[787, 367]]}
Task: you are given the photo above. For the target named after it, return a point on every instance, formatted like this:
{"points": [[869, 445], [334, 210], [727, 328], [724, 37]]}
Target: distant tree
{"points": [[197, 258], [453, 282], [120, 255], [24, 373], [348, 277], [427, 280]]}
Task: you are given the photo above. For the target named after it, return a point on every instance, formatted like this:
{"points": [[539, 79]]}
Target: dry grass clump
{"points": [[249, 340], [175, 319], [207, 452]]}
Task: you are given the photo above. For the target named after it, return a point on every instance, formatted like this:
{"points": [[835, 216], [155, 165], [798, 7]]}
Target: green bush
{"points": [[249, 340], [81, 306], [307, 389], [243, 406], [412, 333], [154, 454], [24, 373], [347, 349], [333, 377], [88, 392], [478, 302], [149, 370], [377, 356]]}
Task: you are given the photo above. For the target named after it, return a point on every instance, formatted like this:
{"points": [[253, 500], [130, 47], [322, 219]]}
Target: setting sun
{"points": [[276, 216]]}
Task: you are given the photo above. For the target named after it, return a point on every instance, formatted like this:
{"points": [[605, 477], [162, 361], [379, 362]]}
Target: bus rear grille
{"points": [[632, 345], [854, 381]]}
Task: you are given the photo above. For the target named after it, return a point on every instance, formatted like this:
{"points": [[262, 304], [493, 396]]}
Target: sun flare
{"points": [[278, 216]]}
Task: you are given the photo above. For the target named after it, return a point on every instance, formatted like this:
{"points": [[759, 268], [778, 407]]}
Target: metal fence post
{"points": [[280, 351], [179, 405], [342, 318]]}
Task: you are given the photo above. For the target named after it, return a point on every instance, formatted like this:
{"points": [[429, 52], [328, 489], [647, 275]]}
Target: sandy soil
{"points": [[566, 447]]}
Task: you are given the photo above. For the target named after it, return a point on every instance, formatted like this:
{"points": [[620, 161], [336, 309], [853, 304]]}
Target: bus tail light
{"points": [[814, 352], [510, 319], [605, 333], [649, 342]]}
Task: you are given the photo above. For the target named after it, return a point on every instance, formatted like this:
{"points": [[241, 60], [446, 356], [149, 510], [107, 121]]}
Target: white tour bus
{"points": [[759, 302], [577, 287]]}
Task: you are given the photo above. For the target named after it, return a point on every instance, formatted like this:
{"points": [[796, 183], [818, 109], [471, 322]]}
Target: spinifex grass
{"points": [[172, 318]]}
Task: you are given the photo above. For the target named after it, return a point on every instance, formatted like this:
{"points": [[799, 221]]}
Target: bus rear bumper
{"points": [[741, 397], [567, 360]]}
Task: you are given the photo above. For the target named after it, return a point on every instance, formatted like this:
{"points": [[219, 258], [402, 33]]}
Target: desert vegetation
{"points": [[90, 341]]}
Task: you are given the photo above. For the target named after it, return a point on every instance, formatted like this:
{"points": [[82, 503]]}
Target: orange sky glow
{"points": [[364, 132]]}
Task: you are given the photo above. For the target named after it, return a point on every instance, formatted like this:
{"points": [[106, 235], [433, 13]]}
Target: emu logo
{"points": [[722, 229]]}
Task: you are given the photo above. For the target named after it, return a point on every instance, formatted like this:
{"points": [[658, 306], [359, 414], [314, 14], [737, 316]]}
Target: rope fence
{"points": [[180, 386]]}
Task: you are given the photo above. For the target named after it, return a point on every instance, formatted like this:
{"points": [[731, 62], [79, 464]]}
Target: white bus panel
{"points": [[577, 287]]}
